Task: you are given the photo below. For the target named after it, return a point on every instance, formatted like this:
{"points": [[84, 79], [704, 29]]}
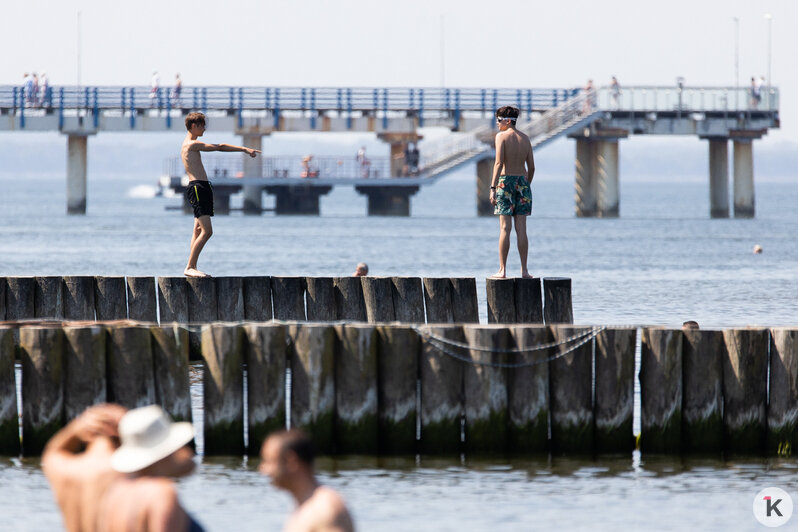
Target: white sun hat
{"points": [[148, 435]]}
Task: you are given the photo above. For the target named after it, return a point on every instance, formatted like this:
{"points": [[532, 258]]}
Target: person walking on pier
{"points": [[509, 189], [287, 458], [199, 193]]}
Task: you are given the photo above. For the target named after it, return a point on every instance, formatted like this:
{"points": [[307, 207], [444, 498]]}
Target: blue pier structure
{"points": [[596, 120]]}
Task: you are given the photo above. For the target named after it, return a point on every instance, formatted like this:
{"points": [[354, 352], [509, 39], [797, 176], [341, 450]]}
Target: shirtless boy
{"points": [[199, 192], [509, 189], [287, 457]]}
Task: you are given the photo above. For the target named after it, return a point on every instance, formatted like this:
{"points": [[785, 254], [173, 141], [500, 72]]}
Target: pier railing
{"points": [[290, 166]]}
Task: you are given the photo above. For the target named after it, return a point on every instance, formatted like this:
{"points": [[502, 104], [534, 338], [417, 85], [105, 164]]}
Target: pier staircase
{"points": [[459, 149]]}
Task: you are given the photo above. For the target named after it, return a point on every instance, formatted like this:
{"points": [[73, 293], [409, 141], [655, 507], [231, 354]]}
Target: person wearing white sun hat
{"points": [[145, 499]]}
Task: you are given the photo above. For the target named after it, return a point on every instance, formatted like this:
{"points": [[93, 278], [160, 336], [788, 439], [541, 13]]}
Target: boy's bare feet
{"points": [[498, 275], [193, 272], [526, 275]]}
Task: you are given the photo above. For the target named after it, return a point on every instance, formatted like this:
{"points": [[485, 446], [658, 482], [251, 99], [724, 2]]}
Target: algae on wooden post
{"points": [[223, 389], [42, 356], [9, 419], [702, 410], [313, 383], [745, 380], [615, 374], [170, 360], [84, 369], [528, 390], [783, 405], [485, 389], [266, 355], [356, 388], [397, 369], [661, 390], [570, 389]]}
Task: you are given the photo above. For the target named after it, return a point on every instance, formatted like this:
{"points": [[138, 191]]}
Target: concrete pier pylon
{"points": [[77, 147], [585, 182], [743, 178], [605, 163], [718, 177], [253, 167]]}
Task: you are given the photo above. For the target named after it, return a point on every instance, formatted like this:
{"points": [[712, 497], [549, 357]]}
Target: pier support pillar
{"points": [[388, 201], [585, 182], [743, 178], [484, 177], [76, 173], [398, 143], [253, 167], [605, 163], [718, 177], [297, 199]]}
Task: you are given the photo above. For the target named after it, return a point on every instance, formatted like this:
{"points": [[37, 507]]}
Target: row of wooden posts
{"points": [[204, 300], [392, 388]]}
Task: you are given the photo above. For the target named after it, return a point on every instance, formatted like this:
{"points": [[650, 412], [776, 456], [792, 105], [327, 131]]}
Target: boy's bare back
{"points": [[516, 153]]}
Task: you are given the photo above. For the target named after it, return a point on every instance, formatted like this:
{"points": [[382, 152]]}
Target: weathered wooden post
{"points": [[79, 297], [438, 299], [320, 298], [203, 307], [3, 285], [19, 298], [356, 388], [173, 299], [485, 389], [131, 381], [378, 295], [397, 369], [557, 307], [661, 391], [258, 298], [288, 294], [465, 308], [615, 387], [230, 297], [170, 362], [84, 369], [42, 356], [48, 299], [570, 389], [528, 391], [349, 302], [141, 302], [408, 299], [313, 383], [441, 390], [745, 380], [223, 382], [9, 419], [528, 300], [703, 353], [501, 300], [110, 298], [783, 407], [266, 355]]}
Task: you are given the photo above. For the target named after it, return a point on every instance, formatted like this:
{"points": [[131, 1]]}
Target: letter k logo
{"points": [[772, 506]]}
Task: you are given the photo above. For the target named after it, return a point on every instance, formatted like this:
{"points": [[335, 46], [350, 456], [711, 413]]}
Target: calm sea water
{"points": [[664, 261]]}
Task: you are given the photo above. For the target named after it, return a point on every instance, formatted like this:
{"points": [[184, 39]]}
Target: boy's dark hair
{"points": [[299, 443], [508, 111], [194, 118]]}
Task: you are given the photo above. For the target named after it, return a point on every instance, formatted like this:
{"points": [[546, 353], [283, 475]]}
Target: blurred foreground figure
{"points": [[287, 458]]}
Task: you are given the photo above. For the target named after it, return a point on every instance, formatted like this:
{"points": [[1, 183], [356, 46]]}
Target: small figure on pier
{"points": [[177, 91], [308, 170], [155, 87], [615, 90], [199, 192], [361, 270], [287, 458], [509, 189]]}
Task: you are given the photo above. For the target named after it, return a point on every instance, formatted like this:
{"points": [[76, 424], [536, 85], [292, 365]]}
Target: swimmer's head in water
{"points": [[507, 112], [193, 119], [285, 454]]}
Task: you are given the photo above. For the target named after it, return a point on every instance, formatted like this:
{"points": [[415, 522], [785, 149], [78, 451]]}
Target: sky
{"points": [[465, 43]]}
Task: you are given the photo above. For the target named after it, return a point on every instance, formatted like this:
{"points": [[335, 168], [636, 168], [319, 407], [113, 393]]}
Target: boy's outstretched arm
{"points": [[202, 146]]}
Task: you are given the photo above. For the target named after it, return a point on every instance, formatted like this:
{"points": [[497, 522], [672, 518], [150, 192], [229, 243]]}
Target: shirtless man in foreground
{"points": [[199, 192], [287, 457], [77, 463], [509, 188]]}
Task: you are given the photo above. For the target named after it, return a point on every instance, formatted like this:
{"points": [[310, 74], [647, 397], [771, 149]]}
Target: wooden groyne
{"points": [[206, 300], [399, 388]]}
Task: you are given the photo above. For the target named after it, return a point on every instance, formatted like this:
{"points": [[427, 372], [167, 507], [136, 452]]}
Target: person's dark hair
{"points": [[508, 111], [194, 118], [299, 443]]}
